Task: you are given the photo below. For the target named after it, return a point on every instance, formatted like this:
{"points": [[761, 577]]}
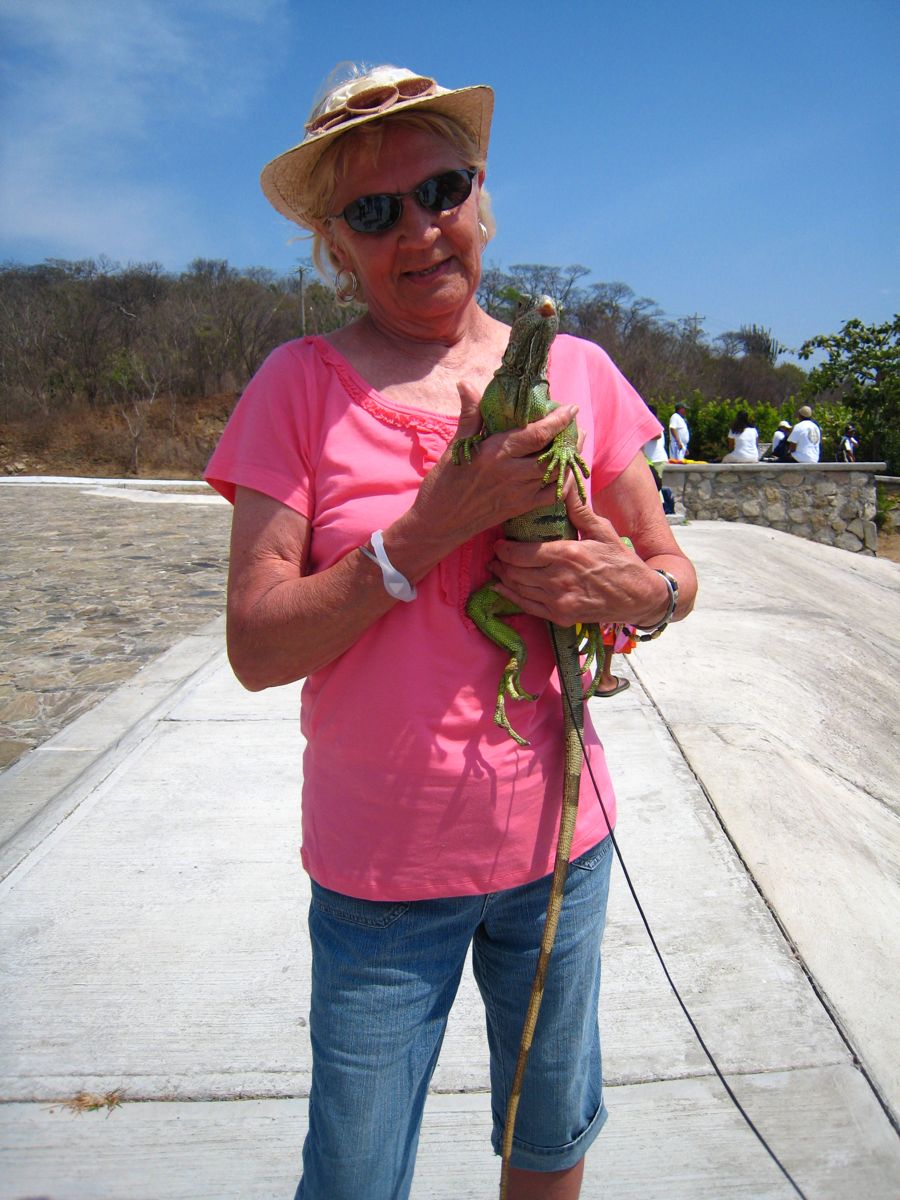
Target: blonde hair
{"points": [[338, 159]]}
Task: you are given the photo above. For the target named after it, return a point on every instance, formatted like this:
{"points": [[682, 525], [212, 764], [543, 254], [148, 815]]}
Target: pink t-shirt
{"points": [[409, 789]]}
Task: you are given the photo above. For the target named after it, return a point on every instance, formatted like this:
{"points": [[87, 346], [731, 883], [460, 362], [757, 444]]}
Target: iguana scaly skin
{"points": [[517, 395]]}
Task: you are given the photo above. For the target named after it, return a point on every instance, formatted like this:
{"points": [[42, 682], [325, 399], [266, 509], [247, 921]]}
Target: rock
{"points": [[12, 748], [24, 707]]}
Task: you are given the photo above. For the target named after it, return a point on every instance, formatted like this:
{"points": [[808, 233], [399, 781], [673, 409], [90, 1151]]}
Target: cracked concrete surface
{"points": [[153, 918]]}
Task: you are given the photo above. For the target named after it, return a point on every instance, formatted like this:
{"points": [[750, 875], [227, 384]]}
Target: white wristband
{"points": [[395, 584]]}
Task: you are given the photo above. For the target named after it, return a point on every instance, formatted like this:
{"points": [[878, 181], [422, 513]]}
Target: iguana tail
{"points": [[566, 644]]}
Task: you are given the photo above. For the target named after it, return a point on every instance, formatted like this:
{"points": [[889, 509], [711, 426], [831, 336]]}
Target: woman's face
{"points": [[419, 277]]}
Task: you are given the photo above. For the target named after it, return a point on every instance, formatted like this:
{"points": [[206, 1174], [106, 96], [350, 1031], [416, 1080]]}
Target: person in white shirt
{"points": [[679, 434], [743, 438], [805, 439]]}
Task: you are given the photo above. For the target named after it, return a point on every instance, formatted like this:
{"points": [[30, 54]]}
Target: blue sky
{"points": [[738, 162]]}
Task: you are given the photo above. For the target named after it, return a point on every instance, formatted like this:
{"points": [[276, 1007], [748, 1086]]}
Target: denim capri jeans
{"points": [[384, 976]]}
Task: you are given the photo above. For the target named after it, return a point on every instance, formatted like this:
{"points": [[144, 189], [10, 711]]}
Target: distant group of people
{"points": [[800, 442]]}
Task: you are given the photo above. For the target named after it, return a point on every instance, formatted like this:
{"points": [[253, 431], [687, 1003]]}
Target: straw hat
{"points": [[355, 102]]}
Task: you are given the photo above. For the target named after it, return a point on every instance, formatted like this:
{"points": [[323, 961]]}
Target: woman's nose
{"points": [[418, 224]]}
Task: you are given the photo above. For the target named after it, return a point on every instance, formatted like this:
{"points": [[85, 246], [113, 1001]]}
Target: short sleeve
{"points": [[265, 445], [622, 423]]}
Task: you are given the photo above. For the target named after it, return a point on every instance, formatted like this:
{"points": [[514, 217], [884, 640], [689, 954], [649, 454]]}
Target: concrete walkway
{"points": [[154, 951]]}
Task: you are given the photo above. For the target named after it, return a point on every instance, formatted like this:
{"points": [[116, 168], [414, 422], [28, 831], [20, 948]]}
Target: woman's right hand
{"points": [[502, 480]]}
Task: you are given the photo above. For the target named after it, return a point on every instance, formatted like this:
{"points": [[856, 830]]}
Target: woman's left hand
{"points": [[598, 578]]}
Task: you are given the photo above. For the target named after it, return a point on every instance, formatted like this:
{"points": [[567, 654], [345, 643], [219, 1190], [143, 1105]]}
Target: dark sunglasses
{"points": [[440, 193]]}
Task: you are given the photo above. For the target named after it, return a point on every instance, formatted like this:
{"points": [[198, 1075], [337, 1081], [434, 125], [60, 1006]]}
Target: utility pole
{"points": [[301, 269]]}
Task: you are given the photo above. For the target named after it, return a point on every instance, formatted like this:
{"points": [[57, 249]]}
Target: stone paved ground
{"points": [[95, 582]]}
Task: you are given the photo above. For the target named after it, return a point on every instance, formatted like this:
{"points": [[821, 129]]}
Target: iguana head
{"points": [[533, 329]]}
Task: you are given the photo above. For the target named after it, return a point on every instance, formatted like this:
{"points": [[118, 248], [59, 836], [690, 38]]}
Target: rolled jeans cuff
{"points": [[554, 1158]]}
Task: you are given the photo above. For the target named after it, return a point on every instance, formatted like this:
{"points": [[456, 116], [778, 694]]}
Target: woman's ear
{"points": [[338, 256], [333, 253]]}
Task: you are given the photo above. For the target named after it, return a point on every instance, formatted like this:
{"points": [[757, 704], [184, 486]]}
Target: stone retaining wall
{"points": [[832, 503]]}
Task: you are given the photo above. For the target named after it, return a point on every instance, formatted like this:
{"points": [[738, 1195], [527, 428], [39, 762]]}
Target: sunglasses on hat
{"points": [[381, 211]]}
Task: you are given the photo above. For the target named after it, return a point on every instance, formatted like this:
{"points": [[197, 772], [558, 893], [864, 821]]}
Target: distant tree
{"points": [[754, 341], [496, 293], [323, 313], [862, 369], [139, 383], [539, 279], [863, 363], [630, 329]]}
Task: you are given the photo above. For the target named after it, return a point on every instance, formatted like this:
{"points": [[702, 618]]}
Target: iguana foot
{"points": [[592, 650], [511, 686], [501, 719], [485, 607], [562, 456], [464, 448]]}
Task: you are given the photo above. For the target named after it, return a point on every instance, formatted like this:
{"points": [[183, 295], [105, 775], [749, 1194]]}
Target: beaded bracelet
{"points": [[395, 582], [672, 584]]}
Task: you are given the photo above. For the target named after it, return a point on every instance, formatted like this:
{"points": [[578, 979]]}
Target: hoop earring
{"points": [[346, 285], [485, 236]]}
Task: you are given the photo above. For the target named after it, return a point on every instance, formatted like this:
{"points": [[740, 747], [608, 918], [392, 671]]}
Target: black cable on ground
{"points": [[662, 962]]}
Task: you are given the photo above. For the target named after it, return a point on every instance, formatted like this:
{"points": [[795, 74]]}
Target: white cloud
{"points": [[88, 87]]}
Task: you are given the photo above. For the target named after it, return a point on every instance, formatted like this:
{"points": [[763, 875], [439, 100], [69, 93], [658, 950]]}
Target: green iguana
{"points": [[517, 395]]}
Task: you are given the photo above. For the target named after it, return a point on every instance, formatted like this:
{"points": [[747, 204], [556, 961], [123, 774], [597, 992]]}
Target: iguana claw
{"points": [[561, 456], [463, 448], [591, 647], [511, 683], [501, 719], [511, 686]]}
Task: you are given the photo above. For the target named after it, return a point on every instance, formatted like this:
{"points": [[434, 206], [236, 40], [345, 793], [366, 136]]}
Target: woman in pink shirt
{"points": [[356, 542]]}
